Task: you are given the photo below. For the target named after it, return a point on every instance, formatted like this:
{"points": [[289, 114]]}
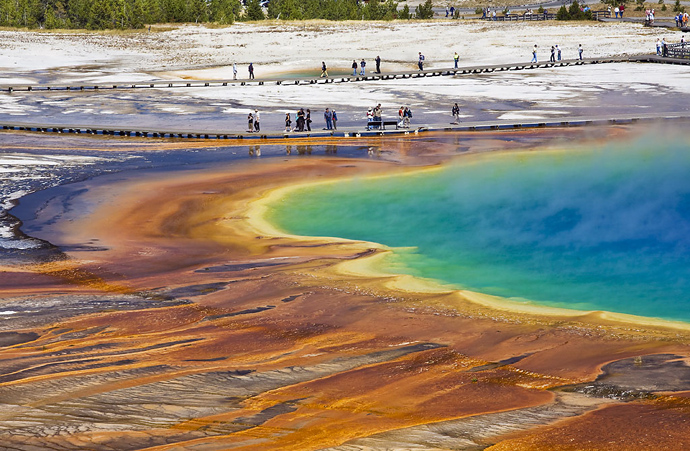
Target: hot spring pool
{"points": [[590, 229]]}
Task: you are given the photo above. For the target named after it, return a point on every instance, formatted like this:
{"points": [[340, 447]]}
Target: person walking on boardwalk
{"points": [[335, 120], [328, 117], [558, 51], [324, 70], [664, 47], [251, 71], [257, 119], [354, 68], [400, 116], [362, 66], [456, 113], [534, 54], [300, 120], [378, 64], [234, 71], [420, 63], [456, 58], [250, 122], [308, 121], [553, 55], [288, 123], [407, 115], [579, 51], [370, 118], [658, 47]]}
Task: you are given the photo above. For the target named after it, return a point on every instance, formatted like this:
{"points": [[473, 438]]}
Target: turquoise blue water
{"points": [[604, 229]]}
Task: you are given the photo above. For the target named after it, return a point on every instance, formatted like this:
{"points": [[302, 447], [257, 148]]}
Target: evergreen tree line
{"points": [[573, 13], [109, 14]]}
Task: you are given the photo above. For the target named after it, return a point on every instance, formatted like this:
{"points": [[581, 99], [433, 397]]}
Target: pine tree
{"points": [[101, 15], [424, 11]]}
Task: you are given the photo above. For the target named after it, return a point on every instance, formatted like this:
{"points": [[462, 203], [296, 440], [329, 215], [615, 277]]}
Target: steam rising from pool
{"points": [[604, 229]]}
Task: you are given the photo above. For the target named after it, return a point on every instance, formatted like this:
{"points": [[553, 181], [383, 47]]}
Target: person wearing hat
{"points": [[370, 117], [257, 128]]}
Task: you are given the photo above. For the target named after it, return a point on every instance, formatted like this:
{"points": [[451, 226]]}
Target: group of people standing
{"points": [[363, 65], [253, 122], [555, 50], [555, 53], [374, 115], [662, 46], [618, 10], [250, 68], [404, 116], [302, 120]]}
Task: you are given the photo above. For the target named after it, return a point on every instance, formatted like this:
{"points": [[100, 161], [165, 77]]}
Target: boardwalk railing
{"points": [[601, 14], [518, 17], [681, 51]]}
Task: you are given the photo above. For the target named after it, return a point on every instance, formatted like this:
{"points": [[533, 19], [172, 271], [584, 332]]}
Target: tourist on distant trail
{"points": [[251, 70], [354, 68], [378, 64], [234, 71], [452, 12], [370, 117], [447, 11], [407, 115], [362, 66], [553, 54], [579, 51], [616, 10], [456, 114], [621, 10], [658, 47], [558, 50], [420, 63], [308, 120], [324, 71], [678, 18], [300, 120], [335, 120], [401, 118], [456, 58], [250, 122], [288, 122], [534, 54], [257, 127], [484, 13], [328, 117]]}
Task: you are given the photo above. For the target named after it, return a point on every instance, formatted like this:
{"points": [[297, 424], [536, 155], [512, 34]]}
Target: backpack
{"points": [[409, 113]]}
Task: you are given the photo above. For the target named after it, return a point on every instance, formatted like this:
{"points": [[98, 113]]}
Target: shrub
{"points": [[425, 10]]}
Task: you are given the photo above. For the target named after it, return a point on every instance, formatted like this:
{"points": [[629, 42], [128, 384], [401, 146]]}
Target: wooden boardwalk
{"points": [[347, 133], [462, 71]]}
